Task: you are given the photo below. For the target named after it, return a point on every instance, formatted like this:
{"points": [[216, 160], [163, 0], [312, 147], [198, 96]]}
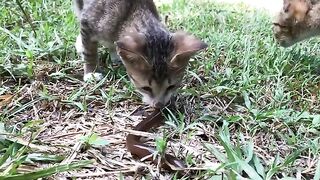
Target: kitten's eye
{"points": [[147, 89], [170, 88]]}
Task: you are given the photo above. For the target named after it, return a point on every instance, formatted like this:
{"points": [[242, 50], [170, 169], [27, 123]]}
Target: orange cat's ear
{"points": [[185, 46], [296, 9], [131, 50], [296, 5]]}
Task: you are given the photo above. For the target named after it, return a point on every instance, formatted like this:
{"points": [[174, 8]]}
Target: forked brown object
{"points": [[141, 150]]}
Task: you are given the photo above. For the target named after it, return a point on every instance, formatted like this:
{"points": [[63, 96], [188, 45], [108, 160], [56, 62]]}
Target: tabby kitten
{"points": [[154, 58]]}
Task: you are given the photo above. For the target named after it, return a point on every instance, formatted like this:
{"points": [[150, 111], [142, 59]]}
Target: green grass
{"points": [[251, 108]]}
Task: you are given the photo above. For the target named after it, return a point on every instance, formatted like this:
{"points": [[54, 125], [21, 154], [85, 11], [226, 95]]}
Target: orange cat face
{"points": [[293, 22]]}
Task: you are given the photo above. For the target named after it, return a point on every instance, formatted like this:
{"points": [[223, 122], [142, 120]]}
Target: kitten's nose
{"points": [[159, 105]]}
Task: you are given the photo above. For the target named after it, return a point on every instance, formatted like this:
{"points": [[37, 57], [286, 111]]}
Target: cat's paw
{"points": [[78, 45], [91, 77]]}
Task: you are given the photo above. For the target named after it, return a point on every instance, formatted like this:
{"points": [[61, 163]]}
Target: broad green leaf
{"points": [[220, 156], [161, 145], [100, 142], [316, 120], [95, 140], [85, 138], [81, 106], [93, 137], [259, 167], [249, 170], [247, 100], [249, 150]]}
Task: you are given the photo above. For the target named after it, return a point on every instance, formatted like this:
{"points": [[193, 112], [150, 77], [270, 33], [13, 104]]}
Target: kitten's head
{"points": [[156, 66], [292, 23]]}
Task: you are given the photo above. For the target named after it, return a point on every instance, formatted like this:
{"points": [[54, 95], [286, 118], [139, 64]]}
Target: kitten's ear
{"points": [[185, 46], [131, 50]]}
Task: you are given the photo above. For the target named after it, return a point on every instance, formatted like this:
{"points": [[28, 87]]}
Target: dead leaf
{"points": [[5, 100]]}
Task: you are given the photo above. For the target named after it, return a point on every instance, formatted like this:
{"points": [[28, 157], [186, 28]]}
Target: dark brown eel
{"points": [[141, 150]]}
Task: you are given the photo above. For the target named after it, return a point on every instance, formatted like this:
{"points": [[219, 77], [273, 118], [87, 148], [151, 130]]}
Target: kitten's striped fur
{"points": [[155, 59]]}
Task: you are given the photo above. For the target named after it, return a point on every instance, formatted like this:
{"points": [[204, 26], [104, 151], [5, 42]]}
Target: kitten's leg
{"points": [[89, 50]]}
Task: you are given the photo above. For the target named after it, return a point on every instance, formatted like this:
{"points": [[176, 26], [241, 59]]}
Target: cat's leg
{"points": [[89, 51]]}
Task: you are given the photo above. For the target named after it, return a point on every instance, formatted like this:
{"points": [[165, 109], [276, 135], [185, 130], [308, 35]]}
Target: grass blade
{"points": [[6, 155], [259, 167], [290, 159], [220, 156], [17, 40], [48, 172], [317, 173], [249, 170]]}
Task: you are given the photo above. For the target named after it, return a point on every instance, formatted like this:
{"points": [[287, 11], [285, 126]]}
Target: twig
{"points": [[137, 133], [63, 135], [70, 158], [27, 17]]}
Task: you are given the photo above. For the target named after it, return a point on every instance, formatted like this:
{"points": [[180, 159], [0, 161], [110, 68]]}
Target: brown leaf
{"points": [[5, 100]]}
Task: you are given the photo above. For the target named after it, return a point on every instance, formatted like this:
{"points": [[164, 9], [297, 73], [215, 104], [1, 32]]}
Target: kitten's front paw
{"points": [[92, 77]]}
